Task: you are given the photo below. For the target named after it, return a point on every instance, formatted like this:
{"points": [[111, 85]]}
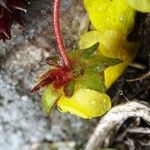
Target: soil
{"points": [[23, 125]]}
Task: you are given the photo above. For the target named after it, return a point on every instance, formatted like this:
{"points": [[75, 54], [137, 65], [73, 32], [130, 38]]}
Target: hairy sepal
{"points": [[49, 98]]}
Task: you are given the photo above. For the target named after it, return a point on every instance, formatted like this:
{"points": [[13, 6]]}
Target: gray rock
{"points": [[23, 125]]}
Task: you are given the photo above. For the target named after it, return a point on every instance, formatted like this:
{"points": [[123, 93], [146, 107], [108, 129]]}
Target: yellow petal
{"points": [[85, 103], [112, 44], [110, 15], [140, 5]]}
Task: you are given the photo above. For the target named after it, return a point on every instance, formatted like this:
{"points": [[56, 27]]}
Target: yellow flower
{"points": [[110, 15], [140, 5], [84, 93], [85, 103], [113, 20], [112, 44]]}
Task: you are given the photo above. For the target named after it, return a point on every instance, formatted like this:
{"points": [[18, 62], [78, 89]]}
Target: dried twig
{"points": [[145, 76], [138, 66], [139, 130], [114, 119]]}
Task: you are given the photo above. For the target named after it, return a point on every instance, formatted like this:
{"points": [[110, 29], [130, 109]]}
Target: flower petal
{"points": [[140, 5], [112, 44], [85, 103], [110, 15]]}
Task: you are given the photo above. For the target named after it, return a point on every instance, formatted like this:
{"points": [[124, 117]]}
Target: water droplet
{"points": [[122, 18], [43, 11], [107, 20], [104, 107], [103, 6], [92, 102]]}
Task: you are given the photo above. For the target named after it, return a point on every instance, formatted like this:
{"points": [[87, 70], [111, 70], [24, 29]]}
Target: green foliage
{"points": [[90, 68], [69, 89], [49, 98], [91, 81], [89, 51], [83, 53], [100, 62], [85, 75]]}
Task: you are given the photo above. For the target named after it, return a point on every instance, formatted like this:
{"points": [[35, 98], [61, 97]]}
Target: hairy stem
{"points": [[57, 30]]}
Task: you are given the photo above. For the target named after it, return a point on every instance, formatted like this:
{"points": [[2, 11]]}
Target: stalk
{"points": [[57, 30]]}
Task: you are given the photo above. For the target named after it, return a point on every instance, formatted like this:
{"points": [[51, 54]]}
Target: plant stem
{"points": [[57, 30]]}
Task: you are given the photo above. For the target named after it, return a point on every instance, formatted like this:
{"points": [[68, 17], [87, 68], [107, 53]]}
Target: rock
{"points": [[23, 125]]}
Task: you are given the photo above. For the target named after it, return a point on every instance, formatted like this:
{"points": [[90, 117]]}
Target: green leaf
{"points": [[96, 68], [91, 81], [49, 98], [89, 51], [100, 58], [84, 53], [99, 63], [69, 89]]}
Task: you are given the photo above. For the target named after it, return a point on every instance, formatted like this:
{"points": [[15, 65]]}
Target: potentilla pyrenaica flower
{"points": [[10, 10]]}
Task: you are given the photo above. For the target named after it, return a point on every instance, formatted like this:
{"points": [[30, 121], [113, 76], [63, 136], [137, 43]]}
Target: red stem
{"points": [[57, 30]]}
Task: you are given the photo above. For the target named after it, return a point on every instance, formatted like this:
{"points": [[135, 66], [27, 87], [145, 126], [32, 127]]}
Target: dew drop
{"points": [[122, 18], [107, 20], [43, 11], [92, 102], [104, 5]]}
